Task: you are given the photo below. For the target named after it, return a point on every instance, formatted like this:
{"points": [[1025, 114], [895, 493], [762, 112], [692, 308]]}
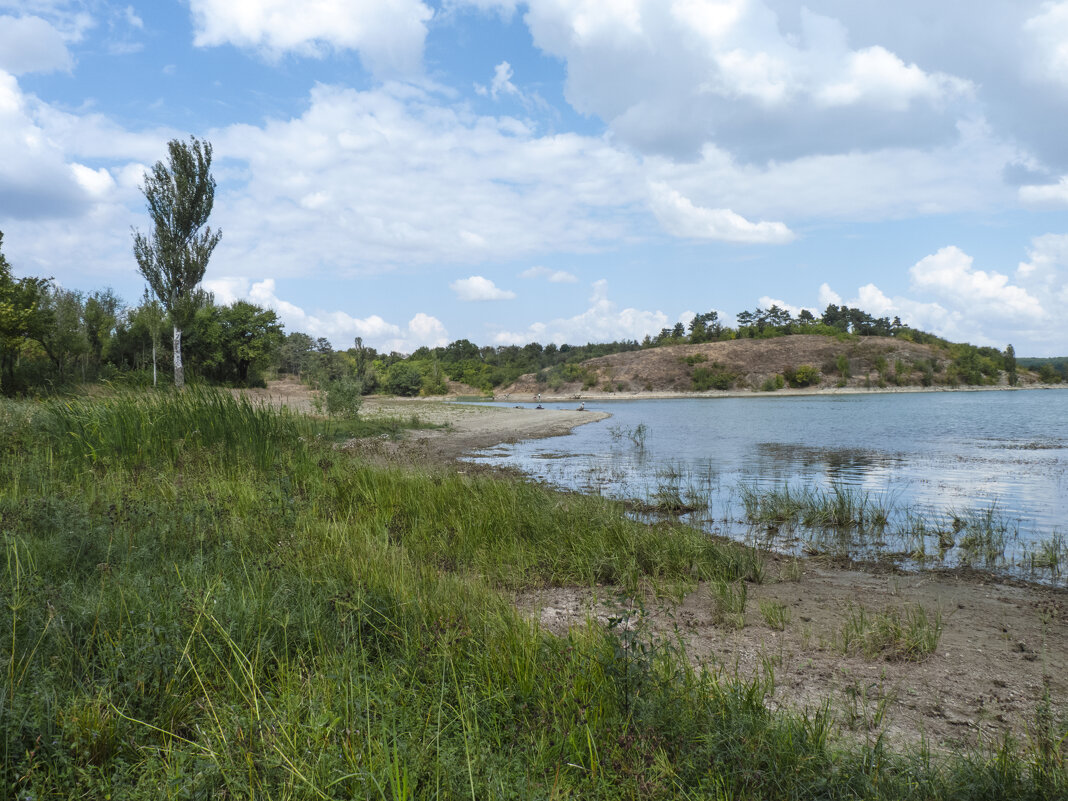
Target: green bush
{"points": [[344, 397], [713, 377], [803, 376]]}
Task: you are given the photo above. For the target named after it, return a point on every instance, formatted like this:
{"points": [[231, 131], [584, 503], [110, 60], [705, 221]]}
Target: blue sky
{"points": [[417, 171]]}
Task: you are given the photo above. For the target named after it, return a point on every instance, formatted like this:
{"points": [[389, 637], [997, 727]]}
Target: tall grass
{"points": [[839, 507], [251, 615]]}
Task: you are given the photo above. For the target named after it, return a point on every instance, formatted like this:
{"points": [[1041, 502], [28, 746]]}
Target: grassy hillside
{"points": [[774, 363], [204, 600]]}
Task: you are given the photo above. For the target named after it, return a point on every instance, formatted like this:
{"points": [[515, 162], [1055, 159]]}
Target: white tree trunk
{"points": [[153, 362], [179, 373]]}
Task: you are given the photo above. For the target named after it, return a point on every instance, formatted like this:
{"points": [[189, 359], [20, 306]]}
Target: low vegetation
{"points": [[207, 600]]}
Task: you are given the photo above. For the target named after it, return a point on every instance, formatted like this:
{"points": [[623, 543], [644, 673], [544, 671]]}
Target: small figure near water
{"points": [[582, 406], [539, 406]]}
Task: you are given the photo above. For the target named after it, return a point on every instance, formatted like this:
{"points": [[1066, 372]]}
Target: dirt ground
{"points": [[1000, 667]]}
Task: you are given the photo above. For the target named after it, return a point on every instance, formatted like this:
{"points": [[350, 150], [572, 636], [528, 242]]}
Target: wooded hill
{"points": [[803, 360]]}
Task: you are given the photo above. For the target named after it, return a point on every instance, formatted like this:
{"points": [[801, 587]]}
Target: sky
{"points": [[413, 172]]}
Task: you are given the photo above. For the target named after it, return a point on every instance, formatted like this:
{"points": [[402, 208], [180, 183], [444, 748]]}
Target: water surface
{"points": [[928, 456]]}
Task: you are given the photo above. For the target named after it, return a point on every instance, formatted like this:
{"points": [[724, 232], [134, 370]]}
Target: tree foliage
{"points": [[180, 196]]}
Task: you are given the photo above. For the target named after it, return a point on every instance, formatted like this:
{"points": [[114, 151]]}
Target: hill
{"points": [[806, 360]]}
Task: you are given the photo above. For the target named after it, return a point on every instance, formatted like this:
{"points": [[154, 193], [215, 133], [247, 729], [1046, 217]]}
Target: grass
{"points": [[776, 614], [203, 601], [839, 507], [910, 633]]}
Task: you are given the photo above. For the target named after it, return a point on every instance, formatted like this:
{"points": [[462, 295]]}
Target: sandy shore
{"points": [[470, 427]]}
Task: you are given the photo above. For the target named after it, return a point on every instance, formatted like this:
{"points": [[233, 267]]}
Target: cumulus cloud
{"points": [[603, 321], [953, 299], [477, 288], [35, 179], [552, 276], [670, 75], [949, 274], [337, 326], [1045, 194], [1049, 34], [30, 44], [333, 189], [388, 36], [681, 217]]}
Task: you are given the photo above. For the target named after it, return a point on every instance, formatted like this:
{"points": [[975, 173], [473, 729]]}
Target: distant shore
{"points": [[750, 393]]}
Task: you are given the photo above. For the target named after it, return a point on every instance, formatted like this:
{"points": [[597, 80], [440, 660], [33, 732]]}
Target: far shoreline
{"points": [[526, 397]]}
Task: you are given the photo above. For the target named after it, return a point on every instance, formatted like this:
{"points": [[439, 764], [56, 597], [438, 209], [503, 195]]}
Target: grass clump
{"points": [[775, 613], [839, 507], [910, 633], [253, 613]]}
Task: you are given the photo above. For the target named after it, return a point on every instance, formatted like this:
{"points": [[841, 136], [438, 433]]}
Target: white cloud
{"points": [[477, 288], [601, 322], [949, 274], [1049, 34], [552, 276], [1045, 194], [30, 44], [958, 302], [681, 217], [335, 189], [1046, 274], [337, 326], [388, 36], [35, 178], [670, 75], [876, 75], [132, 19]]}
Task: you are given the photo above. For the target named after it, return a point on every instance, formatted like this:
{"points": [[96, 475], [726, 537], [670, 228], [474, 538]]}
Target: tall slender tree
{"points": [[173, 259]]}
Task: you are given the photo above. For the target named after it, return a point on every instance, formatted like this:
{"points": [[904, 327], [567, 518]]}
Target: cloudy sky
{"points": [[417, 171]]}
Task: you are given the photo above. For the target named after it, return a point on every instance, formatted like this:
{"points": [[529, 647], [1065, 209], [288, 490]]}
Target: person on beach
{"points": [[582, 406]]}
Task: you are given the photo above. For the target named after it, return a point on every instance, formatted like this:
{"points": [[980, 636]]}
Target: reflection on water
{"points": [[930, 457]]}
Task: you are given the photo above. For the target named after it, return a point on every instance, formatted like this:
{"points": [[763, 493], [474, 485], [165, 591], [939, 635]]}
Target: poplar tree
{"points": [[173, 258]]}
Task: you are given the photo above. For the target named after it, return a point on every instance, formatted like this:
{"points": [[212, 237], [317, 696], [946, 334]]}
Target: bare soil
{"points": [[1000, 663]]}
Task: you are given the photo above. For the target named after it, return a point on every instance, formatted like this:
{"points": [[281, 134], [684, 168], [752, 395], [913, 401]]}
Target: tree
{"points": [[101, 315], [58, 327], [150, 315], [180, 196], [19, 318], [1010, 366]]}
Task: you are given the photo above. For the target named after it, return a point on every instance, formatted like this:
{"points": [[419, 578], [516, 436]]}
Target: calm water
{"points": [[926, 455]]}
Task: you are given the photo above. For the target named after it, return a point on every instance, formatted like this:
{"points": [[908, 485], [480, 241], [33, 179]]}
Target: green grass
{"points": [[201, 599], [910, 633], [839, 507]]}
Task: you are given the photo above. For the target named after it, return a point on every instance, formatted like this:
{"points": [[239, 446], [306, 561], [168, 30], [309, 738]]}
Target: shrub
{"points": [[344, 397], [713, 377], [803, 376]]}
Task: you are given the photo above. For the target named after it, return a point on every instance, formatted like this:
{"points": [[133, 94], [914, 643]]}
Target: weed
{"points": [[909, 633], [776, 614]]}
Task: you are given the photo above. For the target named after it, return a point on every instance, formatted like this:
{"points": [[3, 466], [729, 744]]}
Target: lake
{"points": [[976, 477]]}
